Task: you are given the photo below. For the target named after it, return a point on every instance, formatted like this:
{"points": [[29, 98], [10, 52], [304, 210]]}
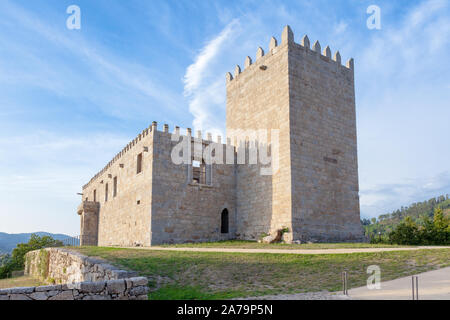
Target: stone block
{"points": [[20, 290], [19, 297], [137, 291], [139, 281], [115, 286], [92, 287], [64, 295], [38, 296], [97, 297], [48, 288]]}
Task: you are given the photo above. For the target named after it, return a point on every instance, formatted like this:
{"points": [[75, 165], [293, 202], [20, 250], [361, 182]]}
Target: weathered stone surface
{"points": [[139, 281], [122, 274], [115, 286], [139, 291], [273, 238], [22, 290], [92, 286], [48, 288], [52, 293], [97, 297], [18, 297], [64, 295], [129, 283], [38, 296], [65, 265]]}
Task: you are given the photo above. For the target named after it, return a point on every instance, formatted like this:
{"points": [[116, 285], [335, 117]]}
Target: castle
{"points": [[305, 100]]}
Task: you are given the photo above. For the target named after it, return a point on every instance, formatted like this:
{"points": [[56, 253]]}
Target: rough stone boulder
{"points": [[275, 237]]}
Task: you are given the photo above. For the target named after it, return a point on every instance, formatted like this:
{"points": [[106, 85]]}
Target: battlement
{"points": [[287, 38], [149, 131]]}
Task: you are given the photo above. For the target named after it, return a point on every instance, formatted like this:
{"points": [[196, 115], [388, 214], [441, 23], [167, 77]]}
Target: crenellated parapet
{"points": [[287, 38], [151, 130]]}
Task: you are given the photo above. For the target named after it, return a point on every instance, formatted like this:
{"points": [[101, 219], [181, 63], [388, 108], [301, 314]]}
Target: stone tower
{"points": [[309, 97]]}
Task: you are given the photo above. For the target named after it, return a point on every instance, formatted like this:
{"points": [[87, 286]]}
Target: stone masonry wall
{"points": [[324, 163], [184, 211], [161, 204], [125, 218], [78, 277], [258, 98], [309, 97], [121, 289], [65, 266]]}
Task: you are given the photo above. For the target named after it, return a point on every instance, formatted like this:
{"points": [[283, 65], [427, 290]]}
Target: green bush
{"points": [[426, 232]]}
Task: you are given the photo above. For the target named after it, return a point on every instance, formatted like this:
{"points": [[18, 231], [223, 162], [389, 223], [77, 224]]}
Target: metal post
{"points": [[415, 287], [344, 283]]}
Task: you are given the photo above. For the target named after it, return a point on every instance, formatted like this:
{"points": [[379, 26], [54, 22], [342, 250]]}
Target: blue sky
{"points": [[71, 99]]}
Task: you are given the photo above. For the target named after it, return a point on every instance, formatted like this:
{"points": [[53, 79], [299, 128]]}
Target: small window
{"points": [[224, 221], [200, 172], [106, 193], [139, 163], [115, 187], [196, 171], [87, 199], [95, 195]]}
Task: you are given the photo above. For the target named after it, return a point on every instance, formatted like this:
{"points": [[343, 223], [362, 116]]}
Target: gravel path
{"points": [[302, 296]]}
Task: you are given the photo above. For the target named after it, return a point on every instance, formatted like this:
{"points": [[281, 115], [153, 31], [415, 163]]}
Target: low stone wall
{"points": [[58, 266], [76, 277], [121, 289]]}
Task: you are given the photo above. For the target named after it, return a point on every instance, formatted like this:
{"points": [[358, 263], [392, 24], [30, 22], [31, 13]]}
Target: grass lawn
{"points": [[213, 275], [23, 281], [242, 244]]}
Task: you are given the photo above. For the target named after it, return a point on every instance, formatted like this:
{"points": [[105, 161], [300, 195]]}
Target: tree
{"points": [[17, 260], [406, 233], [441, 227]]}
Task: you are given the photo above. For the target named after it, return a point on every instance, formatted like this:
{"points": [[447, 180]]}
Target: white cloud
{"points": [[80, 68], [204, 85], [195, 73], [341, 27]]}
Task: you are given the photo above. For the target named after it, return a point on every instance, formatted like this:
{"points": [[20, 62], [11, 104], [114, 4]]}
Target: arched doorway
{"points": [[224, 221]]}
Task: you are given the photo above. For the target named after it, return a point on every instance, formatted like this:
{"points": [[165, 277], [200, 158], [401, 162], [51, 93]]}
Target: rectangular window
{"points": [[201, 172], [95, 195], [139, 163], [106, 193], [115, 187]]}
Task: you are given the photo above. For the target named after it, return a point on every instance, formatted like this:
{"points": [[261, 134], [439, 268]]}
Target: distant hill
{"points": [[417, 211], [9, 241]]}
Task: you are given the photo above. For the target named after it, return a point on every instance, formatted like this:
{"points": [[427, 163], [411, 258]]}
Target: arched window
{"points": [[224, 221]]}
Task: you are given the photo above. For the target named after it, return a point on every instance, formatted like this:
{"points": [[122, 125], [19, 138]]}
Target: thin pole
{"points": [[344, 282], [417, 288]]}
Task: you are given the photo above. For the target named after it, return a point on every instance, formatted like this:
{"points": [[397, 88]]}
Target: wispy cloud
{"points": [[120, 85], [202, 84]]}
